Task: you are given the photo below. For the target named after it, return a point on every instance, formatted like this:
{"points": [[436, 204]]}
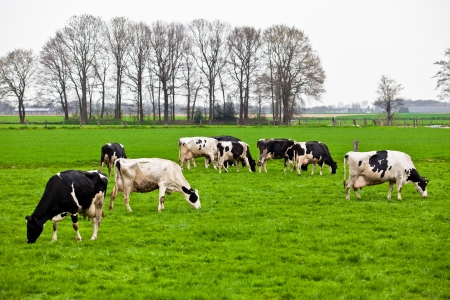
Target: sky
{"points": [[358, 41]]}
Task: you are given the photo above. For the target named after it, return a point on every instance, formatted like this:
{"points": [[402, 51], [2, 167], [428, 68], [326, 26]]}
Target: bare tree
{"points": [[294, 67], [17, 70], [443, 76], [101, 70], [117, 36], [210, 42], [54, 78], [138, 58], [167, 41], [243, 44], [81, 37], [388, 97]]}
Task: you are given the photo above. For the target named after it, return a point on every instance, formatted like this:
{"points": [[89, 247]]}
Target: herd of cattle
{"points": [[83, 193]]}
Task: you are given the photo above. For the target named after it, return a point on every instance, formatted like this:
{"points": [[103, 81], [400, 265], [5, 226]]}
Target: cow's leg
{"points": [[55, 229], [161, 198], [356, 193], [101, 166], [75, 226], [126, 199], [391, 186], [247, 164], [109, 169], [313, 168], [193, 162], [399, 190], [320, 165], [113, 196], [349, 185], [98, 216]]}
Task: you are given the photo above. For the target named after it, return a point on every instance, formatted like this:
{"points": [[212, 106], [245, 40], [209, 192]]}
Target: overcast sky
{"points": [[357, 40]]}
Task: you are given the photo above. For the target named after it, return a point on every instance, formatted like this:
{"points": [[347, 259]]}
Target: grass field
{"points": [[257, 236]]}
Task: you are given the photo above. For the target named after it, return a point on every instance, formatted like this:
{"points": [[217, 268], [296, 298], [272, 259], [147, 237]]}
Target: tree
{"points": [[117, 35], [17, 70], [167, 41], [388, 97], [192, 81], [443, 76], [209, 40], [243, 44], [295, 69], [138, 58], [81, 37], [54, 78]]}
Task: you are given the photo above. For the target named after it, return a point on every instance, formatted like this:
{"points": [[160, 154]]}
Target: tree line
{"points": [[154, 65]]}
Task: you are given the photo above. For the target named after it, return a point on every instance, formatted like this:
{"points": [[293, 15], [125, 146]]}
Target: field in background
{"points": [[257, 235], [403, 119]]}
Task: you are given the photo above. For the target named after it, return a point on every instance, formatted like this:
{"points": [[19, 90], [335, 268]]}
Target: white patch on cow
{"points": [[74, 196], [59, 175], [59, 217]]}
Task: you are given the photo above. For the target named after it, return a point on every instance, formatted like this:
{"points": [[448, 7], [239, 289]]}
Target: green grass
{"points": [[257, 236]]}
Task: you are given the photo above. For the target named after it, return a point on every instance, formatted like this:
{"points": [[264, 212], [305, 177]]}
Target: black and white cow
{"points": [[148, 174], [111, 152], [276, 149], [193, 147], [313, 153], [376, 167], [227, 138], [231, 151], [69, 193]]}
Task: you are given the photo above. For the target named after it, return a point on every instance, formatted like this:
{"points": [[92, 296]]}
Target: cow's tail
{"points": [[345, 163], [117, 171]]}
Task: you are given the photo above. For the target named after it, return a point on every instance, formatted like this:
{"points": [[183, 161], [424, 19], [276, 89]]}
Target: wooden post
{"points": [[355, 145]]}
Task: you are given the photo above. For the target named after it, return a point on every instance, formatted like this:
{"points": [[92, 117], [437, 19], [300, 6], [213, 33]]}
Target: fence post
{"points": [[355, 145], [26, 124]]}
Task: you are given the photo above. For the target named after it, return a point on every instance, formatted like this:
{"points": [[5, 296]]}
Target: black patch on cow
{"points": [[390, 168], [359, 163], [414, 176], [226, 138], [191, 192], [227, 149], [220, 148], [379, 162]]}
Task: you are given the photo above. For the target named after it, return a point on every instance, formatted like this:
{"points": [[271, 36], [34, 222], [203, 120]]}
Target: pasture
{"points": [[258, 235]]}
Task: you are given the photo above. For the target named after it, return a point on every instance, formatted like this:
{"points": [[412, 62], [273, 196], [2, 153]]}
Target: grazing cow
{"points": [[111, 152], [313, 153], [69, 192], [275, 148], [376, 167], [191, 148], [148, 174], [234, 151], [227, 138]]}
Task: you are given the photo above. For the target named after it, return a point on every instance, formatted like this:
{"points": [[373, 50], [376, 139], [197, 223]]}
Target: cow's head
{"points": [[333, 167], [252, 165], [34, 228], [420, 182], [192, 197]]}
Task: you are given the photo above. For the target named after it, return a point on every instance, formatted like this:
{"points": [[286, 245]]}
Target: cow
{"points": [[227, 138], [148, 174], [191, 148], [376, 167], [111, 152], [275, 148], [235, 151], [70, 192], [313, 153]]}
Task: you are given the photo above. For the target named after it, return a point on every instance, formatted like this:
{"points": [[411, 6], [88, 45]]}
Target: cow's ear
{"points": [[186, 190]]}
